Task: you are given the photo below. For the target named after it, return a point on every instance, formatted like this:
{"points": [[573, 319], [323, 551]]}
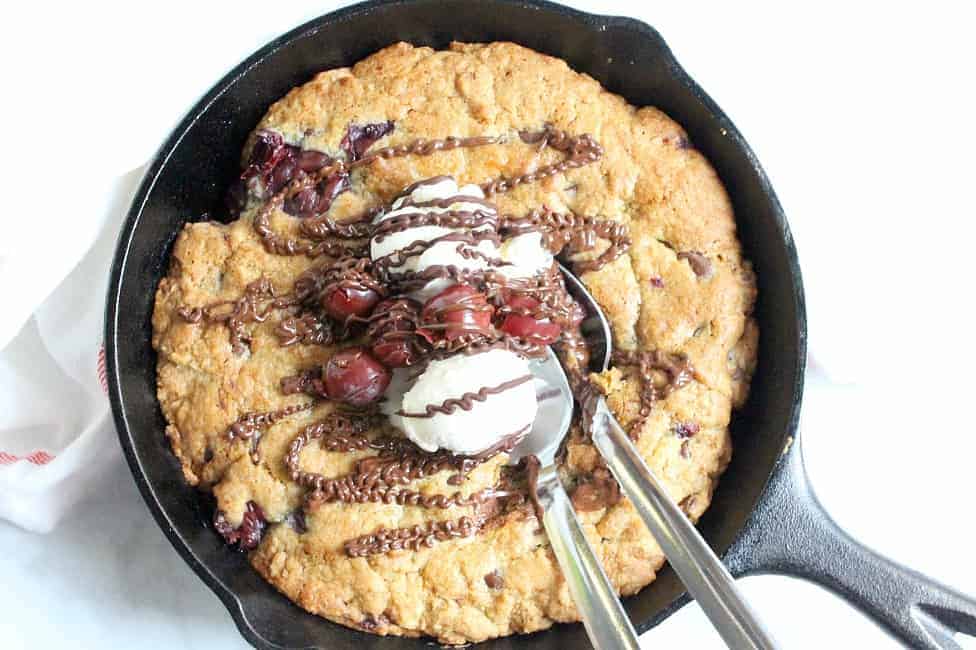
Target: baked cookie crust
{"points": [[683, 287]]}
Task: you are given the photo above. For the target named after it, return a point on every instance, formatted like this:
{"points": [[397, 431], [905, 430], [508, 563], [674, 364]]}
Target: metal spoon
{"points": [[603, 616], [702, 573]]}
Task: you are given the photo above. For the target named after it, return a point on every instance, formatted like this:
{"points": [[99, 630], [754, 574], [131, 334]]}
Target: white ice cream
{"points": [[443, 253], [464, 432], [501, 414], [525, 254]]}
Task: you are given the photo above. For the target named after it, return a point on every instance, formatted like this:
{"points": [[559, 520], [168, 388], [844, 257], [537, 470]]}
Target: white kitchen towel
{"points": [[56, 431]]}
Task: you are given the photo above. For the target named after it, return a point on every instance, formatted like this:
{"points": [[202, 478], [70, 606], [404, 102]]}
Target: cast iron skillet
{"points": [[764, 517]]}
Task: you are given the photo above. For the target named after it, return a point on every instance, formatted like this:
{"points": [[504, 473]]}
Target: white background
{"points": [[863, 117]]}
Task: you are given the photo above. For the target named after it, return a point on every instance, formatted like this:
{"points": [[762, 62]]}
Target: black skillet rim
{"points": [[161, 158]]}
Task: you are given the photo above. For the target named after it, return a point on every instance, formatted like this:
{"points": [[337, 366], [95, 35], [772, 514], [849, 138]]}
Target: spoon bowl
{"points": [[553, 414]]}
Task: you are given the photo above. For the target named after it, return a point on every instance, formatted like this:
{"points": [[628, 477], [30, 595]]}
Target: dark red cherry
{"points": [[329, 189], [354, 377], [395, 353], [248, 535], [302, 204], [312, 161], [267, 148], [392, 331], [458, 310], [527, 326], [282, 173], [341, 302], [360, 137]]}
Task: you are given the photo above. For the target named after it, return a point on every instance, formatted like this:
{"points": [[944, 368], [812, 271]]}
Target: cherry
{"points": [[342, 302], [397, 353], [312, 161], [302, 204], [526, 326], [248, 535], [393, 332], [267, 148], [360, 137], [281, 174], [458, 310], [331, 188], [354, 377]]}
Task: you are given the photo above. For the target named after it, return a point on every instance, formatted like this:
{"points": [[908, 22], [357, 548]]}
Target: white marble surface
{"points": [[861, 116]]}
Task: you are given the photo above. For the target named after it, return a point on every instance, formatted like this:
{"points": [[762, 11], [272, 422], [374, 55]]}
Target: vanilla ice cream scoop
{"points": [[427, 244], [465, 403], [525, 256]]}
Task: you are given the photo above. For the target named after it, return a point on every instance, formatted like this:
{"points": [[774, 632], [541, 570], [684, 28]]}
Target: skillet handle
{"points": [[790, 533]]}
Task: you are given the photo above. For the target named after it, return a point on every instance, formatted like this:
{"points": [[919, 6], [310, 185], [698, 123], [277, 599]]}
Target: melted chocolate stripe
{"points": [[418, 247], [582, 150], [347, 492], [260, 299], [469, 219], [250, 425], [398, 463], [569, 230], [423, 147], [473, 345], [467, 400], [306, 329], [324, 226], [446, 202], [426, 535], [676, 368], [433, 180], [278, 245]]}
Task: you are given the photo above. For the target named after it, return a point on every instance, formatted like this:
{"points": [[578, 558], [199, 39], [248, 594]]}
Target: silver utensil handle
{"points": [[703, 574], [603, 616]]}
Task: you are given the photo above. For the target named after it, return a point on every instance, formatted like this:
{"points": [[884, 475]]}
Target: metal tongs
{"points": [[702, 573]]}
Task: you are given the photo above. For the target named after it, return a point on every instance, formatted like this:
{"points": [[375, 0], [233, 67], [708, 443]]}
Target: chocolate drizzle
{"points": [[309, 381], [385, 540], [386, 264], [380, 478], [307, 184], [572, 233], [305, 329], [532, 466], [259, 300], [467, 400], [596, 492], [398, 461], [424, 147], [581, 150], [250, 426], [660, 373], [300, 191]]}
